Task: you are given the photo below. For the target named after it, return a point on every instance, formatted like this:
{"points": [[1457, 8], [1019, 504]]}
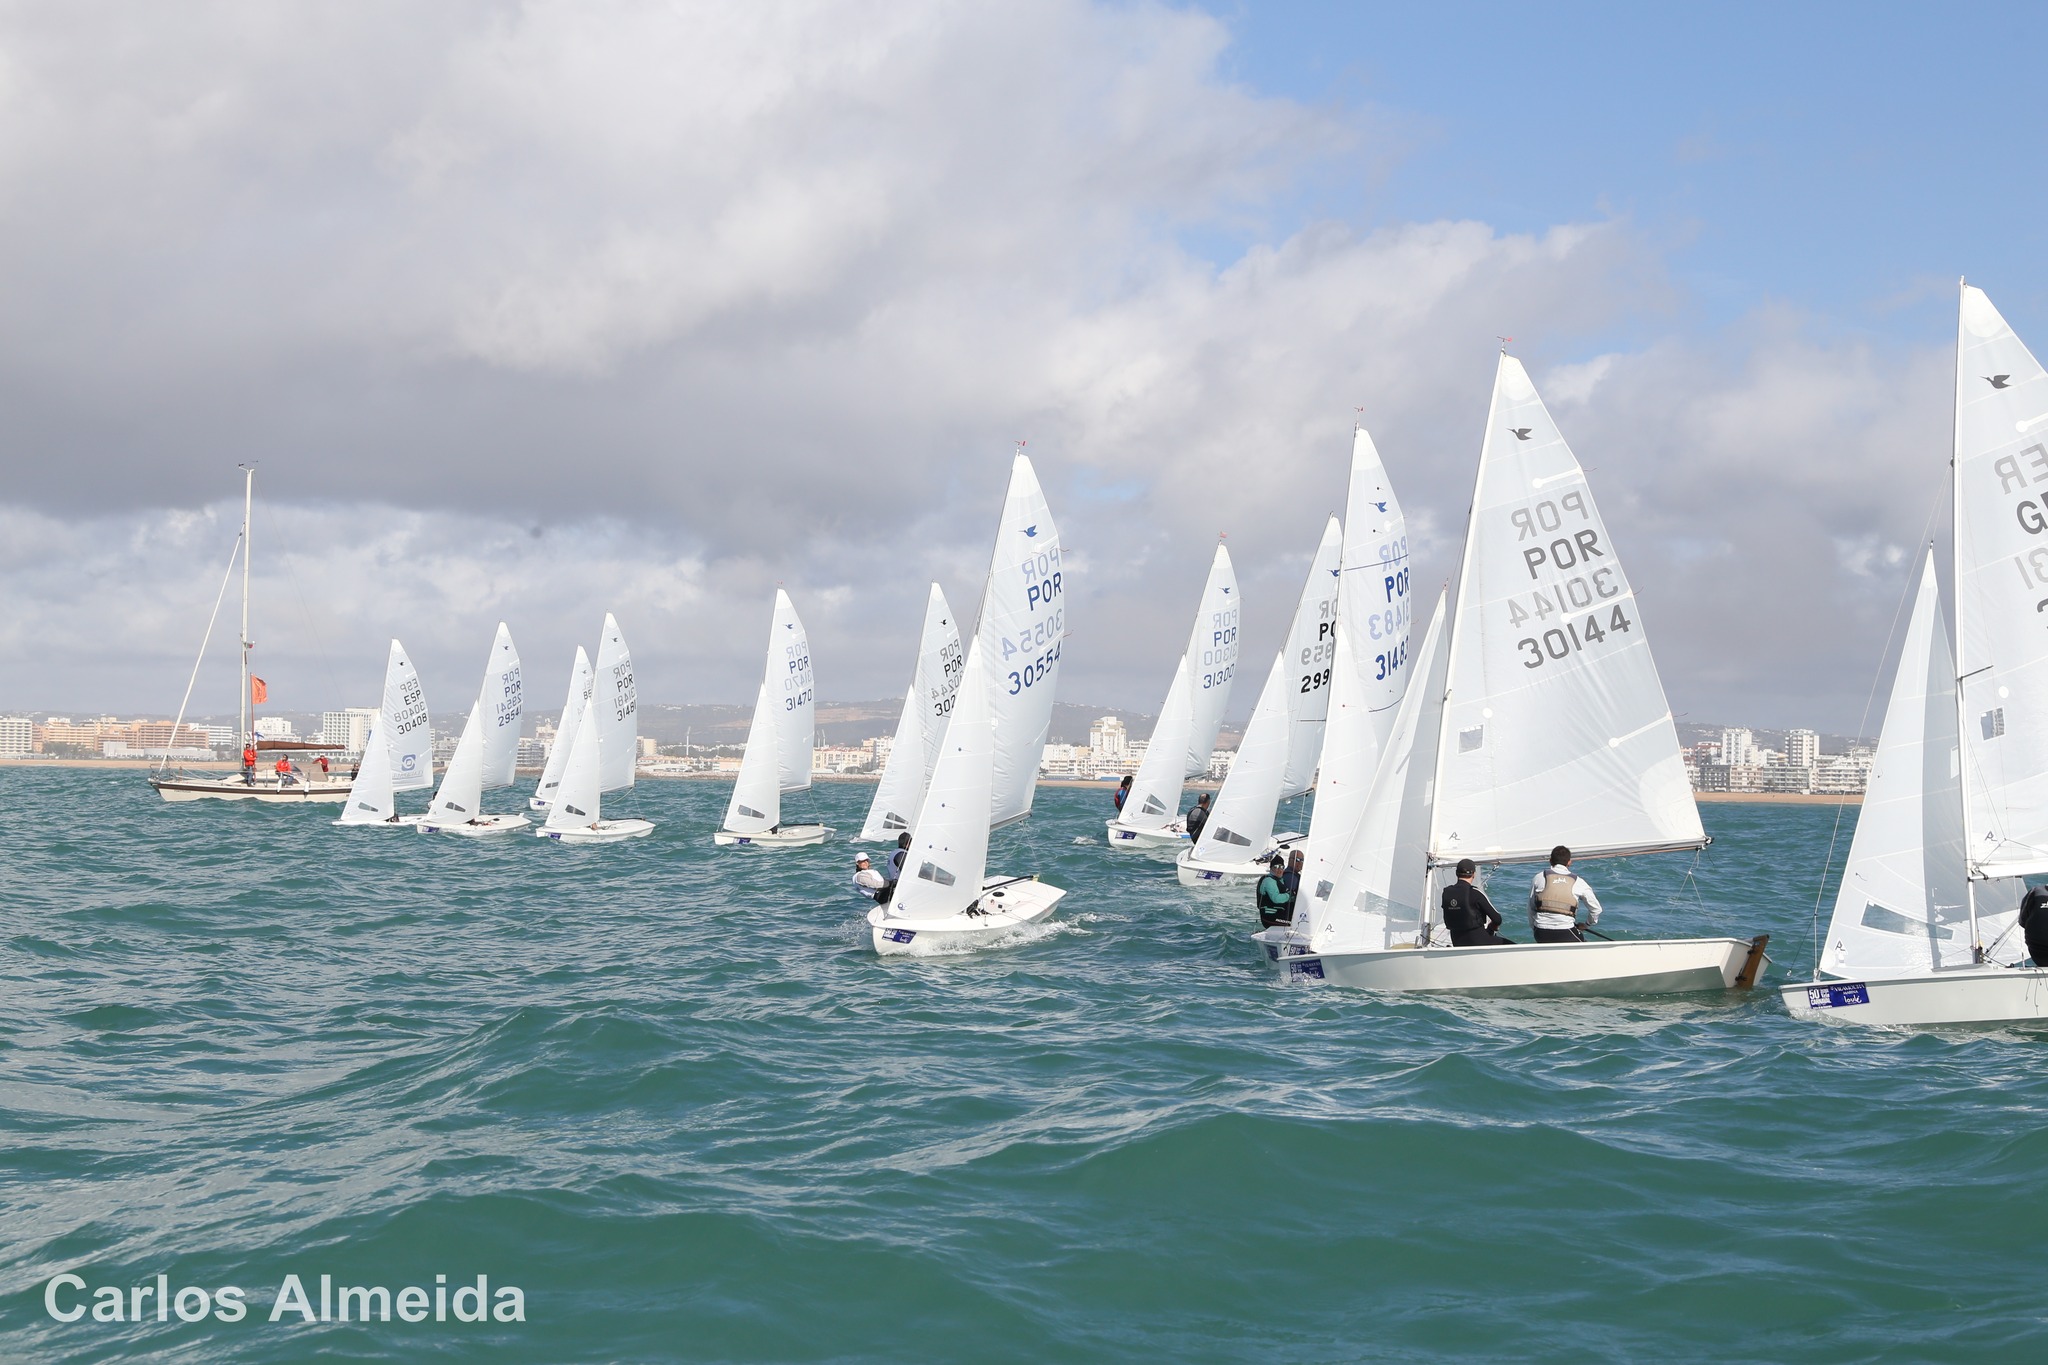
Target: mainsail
{"points": [[788, 678], [615, 701], [1311, 646], [1022, 628], [1556, 729], [1211, 662], [922, 725], [398, 755], [501, 706]]}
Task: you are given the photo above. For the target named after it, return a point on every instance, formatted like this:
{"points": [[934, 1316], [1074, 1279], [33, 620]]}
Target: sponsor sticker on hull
{"points": [[1832, 997], [899, 935], [1311, 970]]}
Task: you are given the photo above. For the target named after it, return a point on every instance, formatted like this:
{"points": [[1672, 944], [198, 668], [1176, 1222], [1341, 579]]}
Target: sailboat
{"points": [[250, 784], [398, 754], [1276, 759], [486, 755], [1369, 666], [580, 683], [1185, 736], [603, 752], [1538, 718], [1956, 815], [922, 725], [987, 770], [777, 761]]}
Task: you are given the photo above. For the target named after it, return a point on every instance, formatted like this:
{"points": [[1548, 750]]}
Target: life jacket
{"points": [[1560, 895]]}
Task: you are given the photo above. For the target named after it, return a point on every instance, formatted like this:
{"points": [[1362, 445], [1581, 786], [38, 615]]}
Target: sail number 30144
{"points": [[1560, 643]]}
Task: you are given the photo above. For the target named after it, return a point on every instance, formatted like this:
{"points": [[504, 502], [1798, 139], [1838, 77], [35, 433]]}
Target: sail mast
{"points": [[248, 502], [1955, 513], [1457, 603]]}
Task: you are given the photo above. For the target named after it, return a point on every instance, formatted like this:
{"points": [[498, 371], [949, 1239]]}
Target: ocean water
{"points": [[669, 1094]]}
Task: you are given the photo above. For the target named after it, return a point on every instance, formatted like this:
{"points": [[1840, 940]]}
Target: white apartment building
{"points": [[17, 735], [1106, 737], [274, 727], [350, 727], [1802, 748], [1738, 748]]}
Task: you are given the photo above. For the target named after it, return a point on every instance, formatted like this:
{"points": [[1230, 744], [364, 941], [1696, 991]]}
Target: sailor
{"points": [[284, 770], [1468, 914], [1198, 816], [896, 858], [1292, 881], [866, 880], [1554, 901], [1276, 902], [2034, 924], [324, 769], [1123, 793], [249, 764]]}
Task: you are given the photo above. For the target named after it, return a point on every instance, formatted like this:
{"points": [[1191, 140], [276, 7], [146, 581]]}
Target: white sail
{"points": [[756, 804], [1311, 645], [2001, 586], [460, 797], [1369, 671], [576, 801], [1211, 662], [1383, 881], [1154, 800], [1242, 821], [789, 685], [502, 706], [948, 855], [1556, 729], [1902, 907], [404, 721], [580, 679], [1023, 624], [922, 725], [369, 795], [615, 701]]}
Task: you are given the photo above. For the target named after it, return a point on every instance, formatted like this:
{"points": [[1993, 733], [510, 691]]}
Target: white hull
{"points": [[399, 822], [1009, 902], [788, 836], [481, 827], [535, 803], [265, 790], [1967, 995], [1145, 840], [603, 832], [1619, 967], [1194, 871]]}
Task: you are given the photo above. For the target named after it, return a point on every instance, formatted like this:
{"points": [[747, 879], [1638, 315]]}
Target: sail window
{"points": [[1471, 739], [938, 876], [1886, 921], [1153, 806], [1231, 836], [750, 813], [894, 821], [1993, 722]]}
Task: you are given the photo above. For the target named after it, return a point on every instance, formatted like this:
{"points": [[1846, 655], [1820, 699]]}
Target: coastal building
{"points": [[1108, 742], [17, 736], [274, 727], [350, 727]]}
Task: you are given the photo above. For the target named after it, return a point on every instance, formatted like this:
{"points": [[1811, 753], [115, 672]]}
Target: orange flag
{"points": [[259, 692]]}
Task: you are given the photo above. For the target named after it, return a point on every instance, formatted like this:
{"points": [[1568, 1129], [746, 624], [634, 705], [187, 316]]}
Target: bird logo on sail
{"points": [[1031, 530], [1998, 381], [1521, 433]]}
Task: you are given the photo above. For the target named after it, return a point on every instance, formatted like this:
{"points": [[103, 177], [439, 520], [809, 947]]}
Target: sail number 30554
{"points": [[1035, 670]]}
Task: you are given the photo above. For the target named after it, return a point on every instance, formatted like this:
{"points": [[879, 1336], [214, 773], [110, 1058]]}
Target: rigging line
{"points": [[1827, 865], [218, 598]]}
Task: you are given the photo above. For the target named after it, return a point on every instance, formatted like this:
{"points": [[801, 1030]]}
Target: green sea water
{"points": [[668, 1093]]}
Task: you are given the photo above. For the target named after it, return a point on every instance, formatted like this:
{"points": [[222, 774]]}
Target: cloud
{"points": [[720, 297]]}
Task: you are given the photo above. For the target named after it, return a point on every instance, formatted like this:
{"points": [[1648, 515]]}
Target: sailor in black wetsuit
{"points": [[1468, 914], [1276, 904], [1198, 816], [2034, 924]]}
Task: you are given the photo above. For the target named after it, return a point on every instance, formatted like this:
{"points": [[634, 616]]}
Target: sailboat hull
{"points": [[1625, 967], [1198, 872], [234, 789], [603, 832], [480, 828], [788, 836], [1146, 840], [1975, 995], [401, 822], [1009, 903]]}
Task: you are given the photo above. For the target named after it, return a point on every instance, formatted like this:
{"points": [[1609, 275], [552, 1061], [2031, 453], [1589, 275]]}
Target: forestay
{"points": [[615, 701], [1211, 662], [1369, 669], [580, 679], [1556, 728], [1902, 906], [948, 855], [2001, 581], [1022, 627], [789, 688], [922, 725], [1311, 645], [1382, 884], [1154, 799]]}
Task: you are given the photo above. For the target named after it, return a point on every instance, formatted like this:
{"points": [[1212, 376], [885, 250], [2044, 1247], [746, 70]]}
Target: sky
{"points": [[530, 312]]}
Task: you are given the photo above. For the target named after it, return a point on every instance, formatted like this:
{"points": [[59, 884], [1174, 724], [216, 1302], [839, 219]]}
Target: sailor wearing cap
{"points": [[866, 880]]}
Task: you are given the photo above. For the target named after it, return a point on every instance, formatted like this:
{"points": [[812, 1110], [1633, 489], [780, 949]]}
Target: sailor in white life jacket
{"points": [[1554, 901]]}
